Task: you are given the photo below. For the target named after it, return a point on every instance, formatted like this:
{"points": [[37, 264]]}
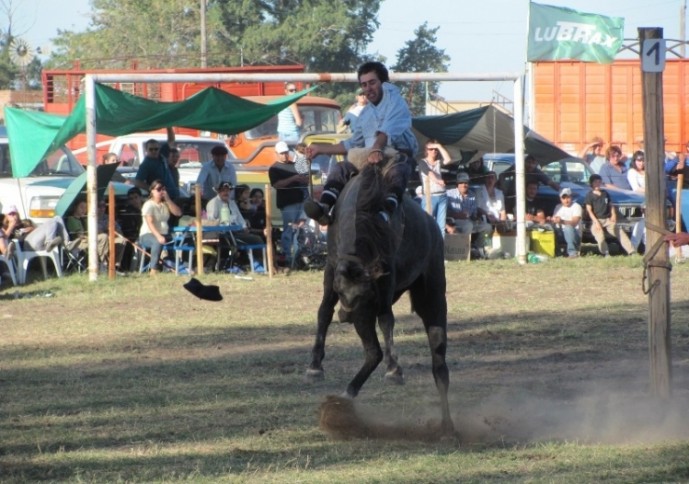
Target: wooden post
{"points": [[427, 195], [658, 265], [111, 232], [199, 230], [268, 190]]}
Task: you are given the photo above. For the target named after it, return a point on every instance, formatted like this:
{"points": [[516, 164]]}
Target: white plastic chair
{"points": [[24, 258], [9, 262]]}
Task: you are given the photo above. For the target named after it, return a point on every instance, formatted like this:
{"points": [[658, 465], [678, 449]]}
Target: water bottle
{"points": [[225, 214]]}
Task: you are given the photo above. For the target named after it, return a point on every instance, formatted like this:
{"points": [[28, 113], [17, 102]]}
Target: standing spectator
{"points": [[384, 122], [491, 200], [430, 168], [155, 230], [593, 154], [348, 122], [637, 172], [462, 208], [155, 167], [567, 220], [289, 187], [215, 171], [289, 119], [614, 171], [109, 159], [603, 217], [173, 163]]}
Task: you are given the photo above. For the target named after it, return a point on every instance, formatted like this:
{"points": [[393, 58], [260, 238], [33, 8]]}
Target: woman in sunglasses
{"points": [[155, 231], [289, 119]]}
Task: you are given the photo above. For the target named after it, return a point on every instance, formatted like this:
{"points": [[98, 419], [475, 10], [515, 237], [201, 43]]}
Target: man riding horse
{"points": [[385, 122]]}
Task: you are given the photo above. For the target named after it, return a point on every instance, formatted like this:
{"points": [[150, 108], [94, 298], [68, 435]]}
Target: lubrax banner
{"points": [[557, 33]]}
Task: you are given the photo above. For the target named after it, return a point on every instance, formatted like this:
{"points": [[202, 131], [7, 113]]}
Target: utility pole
{"points": [[683, 28], [204, 37]]}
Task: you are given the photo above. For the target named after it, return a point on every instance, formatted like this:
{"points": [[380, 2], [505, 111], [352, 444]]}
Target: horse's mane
{"points": [[374, 241]]}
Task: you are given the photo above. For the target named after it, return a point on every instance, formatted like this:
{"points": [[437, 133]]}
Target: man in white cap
{"points": [[567, 220], [290, 188]]}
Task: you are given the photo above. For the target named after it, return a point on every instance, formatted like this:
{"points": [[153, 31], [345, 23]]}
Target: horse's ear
{"points": [[378, 271]]}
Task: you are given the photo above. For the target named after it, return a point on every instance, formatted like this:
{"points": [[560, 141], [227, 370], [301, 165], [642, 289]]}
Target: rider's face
{"points": [[372, 87]]}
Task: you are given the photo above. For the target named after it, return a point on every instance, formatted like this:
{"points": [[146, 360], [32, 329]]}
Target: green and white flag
{"points": [[562, 33]]}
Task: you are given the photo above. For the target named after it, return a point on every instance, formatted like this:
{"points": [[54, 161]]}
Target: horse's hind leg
{"points": [[325, 317], [366, 329], [393, 371], [431, 306]]}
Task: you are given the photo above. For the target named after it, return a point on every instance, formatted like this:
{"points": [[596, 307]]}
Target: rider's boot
{"points": [[320, 211], [389, 205]]}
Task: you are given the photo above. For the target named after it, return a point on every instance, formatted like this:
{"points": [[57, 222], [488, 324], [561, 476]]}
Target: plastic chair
{"points": [[249, 248], [24, 258], [9, 262]]}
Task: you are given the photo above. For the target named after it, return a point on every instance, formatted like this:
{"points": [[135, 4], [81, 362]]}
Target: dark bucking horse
{"points": [[371, 263]]}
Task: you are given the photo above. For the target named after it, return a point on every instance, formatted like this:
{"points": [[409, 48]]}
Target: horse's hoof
{"points": [[313, 375], [395, 376]]}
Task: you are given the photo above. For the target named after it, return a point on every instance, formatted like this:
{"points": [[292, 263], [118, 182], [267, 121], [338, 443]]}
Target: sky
{"points": [[488, 38]]}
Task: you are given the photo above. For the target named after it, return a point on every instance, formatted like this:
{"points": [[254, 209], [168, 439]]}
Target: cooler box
{"points": [[507, 243], [543, 242], [457, 246]]}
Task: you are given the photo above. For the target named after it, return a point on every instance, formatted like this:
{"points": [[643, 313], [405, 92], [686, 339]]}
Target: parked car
{"points": [[37, 195]]}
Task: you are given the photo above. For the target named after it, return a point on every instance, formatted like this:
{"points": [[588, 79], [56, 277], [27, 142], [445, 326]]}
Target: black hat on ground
{"points": [[201, 291]]}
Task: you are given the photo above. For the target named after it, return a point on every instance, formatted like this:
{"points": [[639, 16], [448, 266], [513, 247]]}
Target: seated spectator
{"points": [[614, 172], [77, 225], [103, 223], [224, 210], [155, 213], [6, 243], [604, 217], [567, 220], [637, 172], [532, 173], [464, 214], [257, 220], [46, 236], [491, 200], [535, 215], [242, 197], [129, 219]]}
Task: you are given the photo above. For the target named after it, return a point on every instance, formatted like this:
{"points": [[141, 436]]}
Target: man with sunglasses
{"points": [[289, 119], [155, 166]]}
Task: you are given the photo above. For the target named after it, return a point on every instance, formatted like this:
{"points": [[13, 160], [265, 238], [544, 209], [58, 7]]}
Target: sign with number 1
{"points": [[653, 55]]}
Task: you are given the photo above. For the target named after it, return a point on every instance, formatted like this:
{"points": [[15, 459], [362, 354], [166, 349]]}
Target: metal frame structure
{"points": [[91, 79]]}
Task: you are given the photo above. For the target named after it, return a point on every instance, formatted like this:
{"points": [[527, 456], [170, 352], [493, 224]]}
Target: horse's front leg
{"points": [[366, 329], [325, 317], [393, 371]]}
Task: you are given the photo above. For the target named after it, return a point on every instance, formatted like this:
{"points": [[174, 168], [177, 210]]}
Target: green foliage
{"points": [[421, 55]]}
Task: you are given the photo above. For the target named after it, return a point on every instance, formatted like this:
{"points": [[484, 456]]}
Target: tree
{"points": [[421, 55], [323, 35]]}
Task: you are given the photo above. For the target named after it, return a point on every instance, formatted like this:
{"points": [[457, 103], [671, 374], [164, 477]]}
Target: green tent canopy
{"points": [[482, 130], [33, 135]]}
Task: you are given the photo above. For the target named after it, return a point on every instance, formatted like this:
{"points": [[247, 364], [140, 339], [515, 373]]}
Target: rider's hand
{"points": [[375, 157]]}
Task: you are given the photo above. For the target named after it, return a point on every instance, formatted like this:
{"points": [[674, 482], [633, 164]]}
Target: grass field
{"points": [[135, 380]]}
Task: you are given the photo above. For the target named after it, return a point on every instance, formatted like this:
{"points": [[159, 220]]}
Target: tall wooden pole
{"points": [[659, 265], [199, 230], [111, 232], [267, 189]]}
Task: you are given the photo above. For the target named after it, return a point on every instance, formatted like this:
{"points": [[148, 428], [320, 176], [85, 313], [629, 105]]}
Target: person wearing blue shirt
{"points": [[614, 171], [215, 171], [155, 167], [385, 122], [289, 119]]}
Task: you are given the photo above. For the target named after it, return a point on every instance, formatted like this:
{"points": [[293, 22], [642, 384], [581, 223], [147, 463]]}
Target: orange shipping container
{"points": [[575, 101]]}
